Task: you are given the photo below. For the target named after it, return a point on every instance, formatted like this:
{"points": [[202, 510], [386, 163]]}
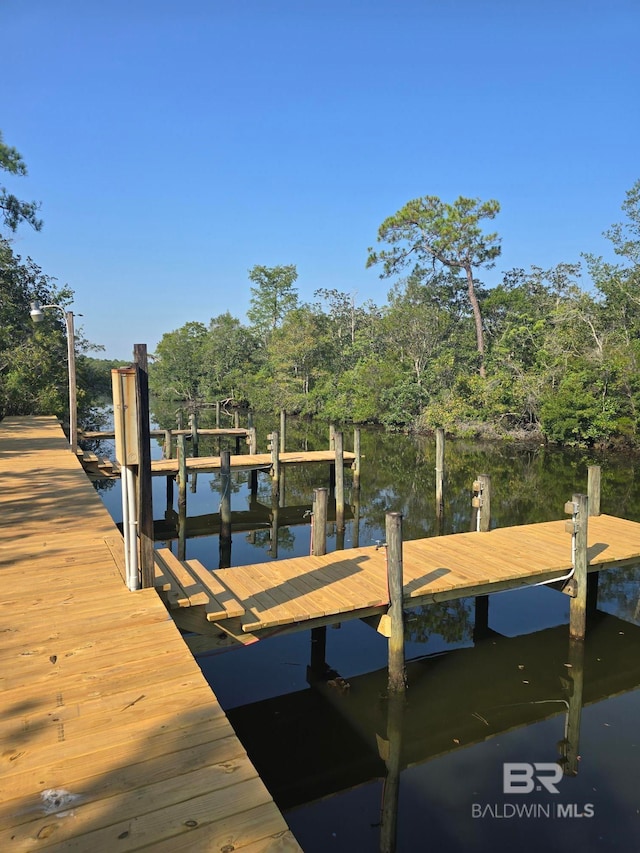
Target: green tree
{"points": [[231, 352], [178, 368], [428, 231], [13, 210], [272, 298]]}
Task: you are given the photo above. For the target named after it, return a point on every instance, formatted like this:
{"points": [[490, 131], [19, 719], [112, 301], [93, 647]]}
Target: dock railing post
{"points": [[578, 527], [593, 489], [166, 450], [182, 496], [440, 474], [397, 678]]}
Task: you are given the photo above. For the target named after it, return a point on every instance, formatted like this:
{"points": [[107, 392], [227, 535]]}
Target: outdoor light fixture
{"points": [[37, 315]]}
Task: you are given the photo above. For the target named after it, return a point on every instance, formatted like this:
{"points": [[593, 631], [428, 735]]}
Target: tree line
{"points": [[539, 354]]}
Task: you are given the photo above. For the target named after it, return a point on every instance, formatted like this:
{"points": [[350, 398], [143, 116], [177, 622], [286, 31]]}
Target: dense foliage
{"points": [[540, 354]]}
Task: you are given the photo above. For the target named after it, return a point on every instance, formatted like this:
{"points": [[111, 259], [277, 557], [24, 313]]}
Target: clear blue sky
{"points": [[176, 144]]}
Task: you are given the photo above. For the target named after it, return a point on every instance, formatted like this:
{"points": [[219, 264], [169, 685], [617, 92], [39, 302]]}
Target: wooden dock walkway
{"points": [[101, 466], [111, 737], [305, 592]]}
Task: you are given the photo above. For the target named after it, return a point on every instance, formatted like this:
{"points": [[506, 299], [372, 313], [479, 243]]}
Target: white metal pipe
{"points": [[133, 579]]}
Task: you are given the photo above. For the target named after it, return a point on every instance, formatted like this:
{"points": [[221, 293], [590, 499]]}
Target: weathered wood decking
{"points": [[111, 738]]}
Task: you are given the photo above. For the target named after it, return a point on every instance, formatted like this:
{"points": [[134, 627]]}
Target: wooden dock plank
{"points": [[101, 696]]}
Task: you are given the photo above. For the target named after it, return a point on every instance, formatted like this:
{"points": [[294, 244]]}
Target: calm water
{"points": [[331, 753]]}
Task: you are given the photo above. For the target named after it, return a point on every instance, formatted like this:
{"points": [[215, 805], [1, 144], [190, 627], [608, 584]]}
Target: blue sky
{"points": [[174, 145]]}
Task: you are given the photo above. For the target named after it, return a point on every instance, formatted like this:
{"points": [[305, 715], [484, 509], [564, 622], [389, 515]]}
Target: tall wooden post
{"points": [[332, 430], [440, 474], [338, 442], [397, 678], [225, 509], [253, 441], [283, 430], [166, 450], [217, 414], [319, 523], [275, 461], [318, 549], [356, 464], [579, 506], [145, 499], [193, 426], [593, 489], [483, 484], [182, 472]]}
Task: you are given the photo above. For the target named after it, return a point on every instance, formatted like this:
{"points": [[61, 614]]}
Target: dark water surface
{"points": [[331, 749]]}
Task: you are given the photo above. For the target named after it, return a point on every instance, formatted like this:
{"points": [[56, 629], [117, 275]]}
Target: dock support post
{"points": [[182, 472], [319, 523], [145, 492], [283, 430], [356, 463], [440, 476], [482, 502], [193, 426], [481, 623], [275, 461], [397, 678], [593, 489], [182, 496], [338, 441], [318, 548], [332, 430], [579, 529], [217, 414], [166, 450], [253, 441], [225, 509], [169, 492]]}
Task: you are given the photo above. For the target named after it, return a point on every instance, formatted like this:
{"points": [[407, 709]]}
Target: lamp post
{"points": [[37, 315]]}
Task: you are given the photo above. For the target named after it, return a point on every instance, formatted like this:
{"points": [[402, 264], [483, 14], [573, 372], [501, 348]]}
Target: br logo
{"points": [[523, 778]]}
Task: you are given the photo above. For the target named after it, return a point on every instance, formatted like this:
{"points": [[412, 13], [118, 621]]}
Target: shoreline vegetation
{"points": [[541, 356]]}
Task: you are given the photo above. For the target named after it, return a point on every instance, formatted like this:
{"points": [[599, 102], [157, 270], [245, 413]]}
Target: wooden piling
{"points": [[332, 430], [145, 491], [283, 430], [253, 440], [217, 414], [275, 458], [319, 523], [166, 450], [356, 463], [182, 472], [338, 442], [225, 508], [578, 604], [193, 426], [397, 677], [439, 473], [593, 489], [484, 509]]}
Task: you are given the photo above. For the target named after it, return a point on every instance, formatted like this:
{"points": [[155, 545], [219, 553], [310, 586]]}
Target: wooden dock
{"points": [[111, 737], [306, 592], [103, 467]]}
